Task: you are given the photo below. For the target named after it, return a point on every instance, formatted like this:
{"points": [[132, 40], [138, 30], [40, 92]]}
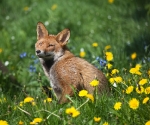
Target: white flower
{"points": [[6, 63]]}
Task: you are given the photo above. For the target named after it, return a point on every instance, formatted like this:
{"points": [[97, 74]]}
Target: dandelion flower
{"points": [[49, 99], [117, 105], [105, 123], [26, 8], [54, 7], [28, 99], [95, 44], [82, 54], [35, 121], [83, 93], [118, 79], [107, 47], [95, 82], [138, 66], [135, 71], [129, 89], [139, 89], [20, 123], [109, 56], [33, 103], [133, 56], [2, 122], [72, 111], [90, 96], [142, 81], [147, 123], [114, 71], [109, 66], [111, 80], [145, 100], [147, 90], [97, 119], [134, 103], [21, 103]]}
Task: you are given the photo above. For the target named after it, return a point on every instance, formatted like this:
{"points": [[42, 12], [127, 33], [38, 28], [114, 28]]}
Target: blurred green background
{"points": [[125, 25]]}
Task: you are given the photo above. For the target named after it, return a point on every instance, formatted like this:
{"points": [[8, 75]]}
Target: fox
{"points": [[65, 71]]}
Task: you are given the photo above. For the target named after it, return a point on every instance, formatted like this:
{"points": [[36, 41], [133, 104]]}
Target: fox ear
{"points": [[63, 36], [41, 31]]}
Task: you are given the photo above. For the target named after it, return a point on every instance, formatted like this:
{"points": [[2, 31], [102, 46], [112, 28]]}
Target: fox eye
{"points": [[50, 45]]}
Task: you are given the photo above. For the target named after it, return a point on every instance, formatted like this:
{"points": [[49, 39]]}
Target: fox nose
{"points": [[38, 51]]}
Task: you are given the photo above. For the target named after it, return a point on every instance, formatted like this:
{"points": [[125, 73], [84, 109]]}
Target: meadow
{"points": [[113, 35]]}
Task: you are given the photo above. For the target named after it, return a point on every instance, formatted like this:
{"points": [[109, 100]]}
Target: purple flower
{"points": [[22, 55], [101, 61], [32, 68], [36, 61]]}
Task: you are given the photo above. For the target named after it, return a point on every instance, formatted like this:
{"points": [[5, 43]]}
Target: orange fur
{"points": [[64, 70]]}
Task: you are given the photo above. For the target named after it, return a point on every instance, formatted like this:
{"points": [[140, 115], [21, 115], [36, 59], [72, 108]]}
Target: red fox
{"points": [[64, 70]]}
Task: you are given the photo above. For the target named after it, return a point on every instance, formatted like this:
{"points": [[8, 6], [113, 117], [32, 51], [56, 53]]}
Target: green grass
{"points": [[124, 25]]}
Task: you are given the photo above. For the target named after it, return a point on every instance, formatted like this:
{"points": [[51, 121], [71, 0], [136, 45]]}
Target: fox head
{"points": [[50, 46]]}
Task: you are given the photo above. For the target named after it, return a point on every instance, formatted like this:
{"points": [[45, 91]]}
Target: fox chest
{"points": [[62, 75]]}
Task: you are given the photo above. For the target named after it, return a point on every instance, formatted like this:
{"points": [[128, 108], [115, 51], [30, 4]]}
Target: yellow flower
{"points": [[54, 7], [95, 82], [83, 93], [32, 123], [21, 104], [111, 80], [33, 103], [90, 96], [142, 81], [107, 47], [95, 44], [133, 55], [134, 103], [97, 119], [72, 111], [129, 89], [114, 71], [20, 123], [1, 50], [82, 54], [147, 123], [118, 79], [139, 89], [2, 122], [44, 100], [47, 100], [28, 99], [110, 1], [109, 56], [117, 106], [147, 90], [109, 66], [26, 8], [105, 123], [135, 71], [138, 66], [145, 100], [35, 121]]}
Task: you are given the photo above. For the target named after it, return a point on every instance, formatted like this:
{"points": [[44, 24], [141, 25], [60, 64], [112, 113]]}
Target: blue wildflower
{"points": [[101, 61], [32, 68], [32, 56], [22, 55], [36, 61]]}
